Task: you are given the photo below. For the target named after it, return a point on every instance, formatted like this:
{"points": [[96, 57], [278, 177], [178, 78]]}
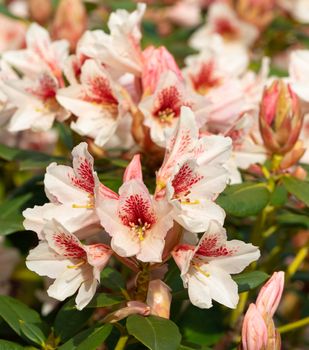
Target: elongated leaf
{"points": [[112, 279], [293, 219], [299, 188], [8, 345], [244, 199], [10, 214], [104, 300], [28, 159], [65, 134], [90, 339], [250, 280], [69, 321], [23, 320], [155, 333]]}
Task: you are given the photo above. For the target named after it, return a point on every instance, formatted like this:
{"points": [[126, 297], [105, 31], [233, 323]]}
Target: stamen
{"points": [[166, 116], [139, 230], [197, 267], [77, 265]]}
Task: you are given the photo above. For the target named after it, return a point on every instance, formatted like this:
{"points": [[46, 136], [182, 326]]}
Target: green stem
{"points": [[122, 341], [299, 258], [236, 313], [294, 325]]}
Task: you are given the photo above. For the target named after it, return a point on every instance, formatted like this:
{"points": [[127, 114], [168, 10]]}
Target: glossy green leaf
{"points": [[8, 345], [287, 218], [23, 320], [299, 188], [279, 197], [155, 333], [65, 135], [90, 339], [112, 279], [11, 218], [250, 280], [28, 159], [244, 199], [104, 300], [69, 321]]}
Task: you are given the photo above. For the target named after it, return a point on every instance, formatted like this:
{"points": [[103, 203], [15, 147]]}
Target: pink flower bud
{"points": [[70, 21], [40, 10], [254, 331], [270, 294], [280, 118], [159, 298], [157, 61], [257, 12], [133, 307]]}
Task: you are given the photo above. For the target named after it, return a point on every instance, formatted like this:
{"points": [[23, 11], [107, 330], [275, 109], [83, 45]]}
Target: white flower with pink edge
{"points": [[206, 269], [73, 265]]}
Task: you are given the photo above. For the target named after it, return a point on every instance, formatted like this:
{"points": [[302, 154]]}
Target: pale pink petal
{"points": [[85, 293], [133, 170]]}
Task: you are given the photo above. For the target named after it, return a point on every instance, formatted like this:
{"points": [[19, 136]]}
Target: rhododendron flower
{"points": [[136, 222], [36, 104], [192, 175], [40, 55], [120, 50], [73, 265], [213, 66], [223, 21], [71, 194], [206, 269], [94, 101], [161, 110], [156, 62], [299, 9]]}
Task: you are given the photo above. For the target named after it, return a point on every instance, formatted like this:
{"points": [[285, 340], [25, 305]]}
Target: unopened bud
{"points": [[70, 21], [254, 331], [280, 118], [270, 294], [40, 10], [159, 298], [257, 12]]}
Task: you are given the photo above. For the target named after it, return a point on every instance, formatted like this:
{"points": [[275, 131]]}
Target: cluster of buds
{"points": [[281, 122], [258, 330]]}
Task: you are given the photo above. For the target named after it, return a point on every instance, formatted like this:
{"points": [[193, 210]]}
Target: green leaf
{"points": [[90, 339], [70, 321], [10, 214], [299, 188], [112, 279], [279, 197], [250, 280], [293, 219], [155, 333], [66, 136], [23, 320], [244, 199], [104, 300], [8, 345], [28, 159]]}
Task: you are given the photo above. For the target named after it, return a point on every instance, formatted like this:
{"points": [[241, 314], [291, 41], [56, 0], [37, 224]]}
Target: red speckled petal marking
{"points": [[84, 178], [205, 78], [46, 88], [225, 28], [68, 245], [213, 246], [184, 180], [99, 91], [136, 210]]}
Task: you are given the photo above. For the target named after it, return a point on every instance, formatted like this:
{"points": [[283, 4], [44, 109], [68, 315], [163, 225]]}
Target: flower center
{"points": [[140, 229]]}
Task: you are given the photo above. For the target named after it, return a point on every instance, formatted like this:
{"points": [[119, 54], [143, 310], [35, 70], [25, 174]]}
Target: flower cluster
{"points": [[138, 227]]}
